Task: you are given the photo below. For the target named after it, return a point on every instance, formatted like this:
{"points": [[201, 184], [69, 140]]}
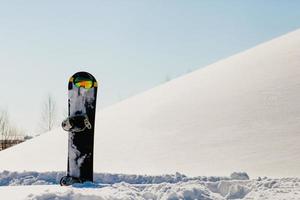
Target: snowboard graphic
{"points": [[80, 124]]}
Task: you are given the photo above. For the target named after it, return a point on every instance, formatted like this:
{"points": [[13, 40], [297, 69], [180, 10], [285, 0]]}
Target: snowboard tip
{"points": [[83, 76]]}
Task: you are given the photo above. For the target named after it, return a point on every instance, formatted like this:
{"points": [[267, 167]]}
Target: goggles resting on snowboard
{"points": [[83, 82]]}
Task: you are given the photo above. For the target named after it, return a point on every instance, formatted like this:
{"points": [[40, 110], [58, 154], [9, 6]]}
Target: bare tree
{"points": [[65, 114], [48, 115], [4, 129], [167, 78], [9, 135]]}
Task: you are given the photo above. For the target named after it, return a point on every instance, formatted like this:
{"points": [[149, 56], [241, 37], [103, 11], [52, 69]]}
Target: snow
{"points": [[239, 114], [8, 178], [43, 186]]}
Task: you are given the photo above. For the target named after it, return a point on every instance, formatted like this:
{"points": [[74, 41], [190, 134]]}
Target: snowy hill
{"points": [[239, 114]]}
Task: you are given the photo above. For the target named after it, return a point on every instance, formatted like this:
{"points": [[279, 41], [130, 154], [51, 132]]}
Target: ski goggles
{"points": [[84, 82]]}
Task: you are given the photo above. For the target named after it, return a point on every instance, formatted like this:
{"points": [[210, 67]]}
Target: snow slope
{"points": [[239, 114]]}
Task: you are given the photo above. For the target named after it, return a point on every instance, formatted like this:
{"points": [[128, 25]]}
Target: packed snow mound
{"points": [[219, 188], [239, 114]]}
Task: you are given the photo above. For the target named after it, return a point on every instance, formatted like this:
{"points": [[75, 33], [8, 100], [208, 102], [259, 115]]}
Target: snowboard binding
{"points": [[77, 123], [69, 180]]}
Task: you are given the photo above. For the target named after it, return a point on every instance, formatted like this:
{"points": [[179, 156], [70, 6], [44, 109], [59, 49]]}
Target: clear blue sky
{"points": [[130, 46]]}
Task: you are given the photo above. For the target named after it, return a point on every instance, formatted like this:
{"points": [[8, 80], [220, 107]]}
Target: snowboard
{"points": [[80, 124]]}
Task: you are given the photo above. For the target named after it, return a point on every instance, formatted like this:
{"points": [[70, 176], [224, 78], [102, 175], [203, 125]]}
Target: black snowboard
{"points": [[80, 125]]}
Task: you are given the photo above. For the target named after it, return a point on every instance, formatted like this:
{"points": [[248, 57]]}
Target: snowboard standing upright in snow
{"points": [[82, 91]]}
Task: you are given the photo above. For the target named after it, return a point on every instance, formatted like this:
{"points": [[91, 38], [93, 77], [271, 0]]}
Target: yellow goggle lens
{"points": [[83, 82]]}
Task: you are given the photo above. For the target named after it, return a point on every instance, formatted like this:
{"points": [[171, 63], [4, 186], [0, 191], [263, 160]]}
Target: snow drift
{"points": [[205, 188], [239, 114], [8, 178]]}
